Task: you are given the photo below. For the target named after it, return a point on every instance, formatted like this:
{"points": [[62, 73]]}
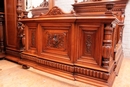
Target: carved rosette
{"points": [[21, 36], [107, 46], [56, 40]]}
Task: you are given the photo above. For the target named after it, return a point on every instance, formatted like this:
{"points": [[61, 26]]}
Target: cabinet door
{"points": [[89, 43], [31, 38], [55, 41]]}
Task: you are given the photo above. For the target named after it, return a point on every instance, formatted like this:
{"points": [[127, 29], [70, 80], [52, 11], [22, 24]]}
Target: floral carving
{"points": [[88, 44], [33, 38]]}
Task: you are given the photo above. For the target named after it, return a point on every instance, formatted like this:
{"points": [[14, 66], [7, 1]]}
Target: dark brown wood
{"points": [[25, 67]]}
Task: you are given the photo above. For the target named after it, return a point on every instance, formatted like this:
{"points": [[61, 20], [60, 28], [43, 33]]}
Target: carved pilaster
{"points": [[107, 46], [21, 36]]}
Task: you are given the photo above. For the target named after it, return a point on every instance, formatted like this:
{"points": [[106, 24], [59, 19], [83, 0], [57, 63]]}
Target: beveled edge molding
{"points": [[69, 68]]}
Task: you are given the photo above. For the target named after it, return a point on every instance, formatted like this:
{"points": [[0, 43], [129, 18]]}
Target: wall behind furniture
{"points": [[126, 34], [65, 5]]}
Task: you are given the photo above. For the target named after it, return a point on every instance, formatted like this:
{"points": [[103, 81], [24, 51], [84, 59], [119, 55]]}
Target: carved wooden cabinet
{"points": [[84, 45]]}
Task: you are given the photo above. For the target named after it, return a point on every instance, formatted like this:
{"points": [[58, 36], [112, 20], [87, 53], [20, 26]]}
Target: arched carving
{"points": [[55, 11]]}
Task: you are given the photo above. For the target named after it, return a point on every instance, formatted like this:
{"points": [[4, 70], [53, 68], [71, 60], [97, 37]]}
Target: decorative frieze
{"points": [[92, 73], [69, 68], [60, 66]]}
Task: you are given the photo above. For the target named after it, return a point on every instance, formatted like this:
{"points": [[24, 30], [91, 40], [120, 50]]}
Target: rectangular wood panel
{"points": [[10, 19]]}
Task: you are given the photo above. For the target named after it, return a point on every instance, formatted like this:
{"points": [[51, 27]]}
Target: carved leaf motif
{"points": [[88, 44], [33, 39]]}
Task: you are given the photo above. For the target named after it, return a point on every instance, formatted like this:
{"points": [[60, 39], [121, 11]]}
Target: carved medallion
{"points": [[56, 40]]}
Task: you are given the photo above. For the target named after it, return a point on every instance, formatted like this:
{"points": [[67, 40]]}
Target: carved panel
{"points": [[55, 40], [32, 36], [89, 43]]}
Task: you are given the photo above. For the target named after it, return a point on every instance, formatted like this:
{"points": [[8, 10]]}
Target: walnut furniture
{"points": [[84, 45]]}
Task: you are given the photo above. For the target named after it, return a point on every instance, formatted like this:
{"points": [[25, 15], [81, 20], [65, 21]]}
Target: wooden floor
{"points": [[12, 75]]}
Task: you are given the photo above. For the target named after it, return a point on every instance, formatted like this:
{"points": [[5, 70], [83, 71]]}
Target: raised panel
{"points": [[55, 40], [89, 44], [10, 19], [31, 40]]}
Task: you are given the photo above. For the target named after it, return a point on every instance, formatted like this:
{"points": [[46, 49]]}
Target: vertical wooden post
{"points": [[107, 46]]}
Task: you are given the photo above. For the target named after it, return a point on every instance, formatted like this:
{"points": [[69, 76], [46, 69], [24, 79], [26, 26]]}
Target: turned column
{"points": [[107, 39], [107, 46]]}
